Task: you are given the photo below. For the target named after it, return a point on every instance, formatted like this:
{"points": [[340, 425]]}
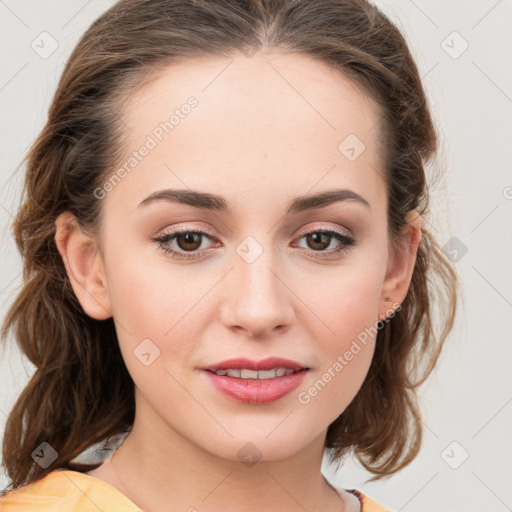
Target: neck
{"points": [[156, 473]]}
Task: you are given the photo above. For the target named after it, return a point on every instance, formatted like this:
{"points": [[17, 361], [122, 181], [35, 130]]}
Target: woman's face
{"points": [[260, 280]]}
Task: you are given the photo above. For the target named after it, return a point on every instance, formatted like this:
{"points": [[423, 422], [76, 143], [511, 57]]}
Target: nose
{"points": [[256, 298]]}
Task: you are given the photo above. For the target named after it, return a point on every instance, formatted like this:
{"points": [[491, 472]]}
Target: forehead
{"points": [[258, 125]]}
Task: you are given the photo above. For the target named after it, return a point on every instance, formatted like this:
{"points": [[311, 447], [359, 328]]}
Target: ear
{"points": [[402, 259], [84, 266]]}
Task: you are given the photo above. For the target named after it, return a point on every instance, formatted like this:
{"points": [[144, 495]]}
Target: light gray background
{"points": [[468, 399]]}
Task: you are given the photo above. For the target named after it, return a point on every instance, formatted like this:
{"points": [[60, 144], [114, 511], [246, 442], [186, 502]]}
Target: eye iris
{"points": [[315, 239], [189, 239]]}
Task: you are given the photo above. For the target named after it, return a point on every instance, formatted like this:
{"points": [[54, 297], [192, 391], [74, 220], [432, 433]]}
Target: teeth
{"points": [[253, 374], [248, 374]]}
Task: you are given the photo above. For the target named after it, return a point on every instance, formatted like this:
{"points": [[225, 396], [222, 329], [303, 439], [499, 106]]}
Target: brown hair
{"points": [[81, 392]]}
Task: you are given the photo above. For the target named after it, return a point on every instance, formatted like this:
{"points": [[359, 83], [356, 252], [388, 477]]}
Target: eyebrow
{"points": [[218, 203]]}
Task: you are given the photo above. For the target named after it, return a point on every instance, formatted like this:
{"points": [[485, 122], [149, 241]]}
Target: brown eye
{"points": [[188, 241], [183, 244], [318, 241]]}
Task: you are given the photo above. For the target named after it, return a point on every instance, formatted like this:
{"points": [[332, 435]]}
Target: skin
{"points": [[266, 129]]}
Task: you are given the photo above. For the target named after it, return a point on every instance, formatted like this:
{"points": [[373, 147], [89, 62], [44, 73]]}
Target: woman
{"points": [[226, 260]]}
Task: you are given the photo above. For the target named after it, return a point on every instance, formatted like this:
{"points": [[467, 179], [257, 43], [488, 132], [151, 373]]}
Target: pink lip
{"points": [[256, 391], [266, 364]]}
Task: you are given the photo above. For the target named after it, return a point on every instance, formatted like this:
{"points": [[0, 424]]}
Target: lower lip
{"points": [[256, 391]]}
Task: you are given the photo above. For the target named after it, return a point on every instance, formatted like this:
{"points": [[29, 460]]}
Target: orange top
{"points": [[65, 490]]}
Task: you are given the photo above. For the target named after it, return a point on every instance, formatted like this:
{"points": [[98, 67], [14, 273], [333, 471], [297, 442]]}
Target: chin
{"points": [[263, 445]]}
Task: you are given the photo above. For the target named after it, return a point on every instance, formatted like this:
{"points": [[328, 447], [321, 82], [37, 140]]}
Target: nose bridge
{"points": [[258, 299]]}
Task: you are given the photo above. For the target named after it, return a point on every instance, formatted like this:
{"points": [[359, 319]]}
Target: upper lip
{"points": [[266, 364]]}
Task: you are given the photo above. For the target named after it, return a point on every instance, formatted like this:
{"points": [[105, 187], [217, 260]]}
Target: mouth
{"points": [[256, 382], [268, 368], [244, 373]]}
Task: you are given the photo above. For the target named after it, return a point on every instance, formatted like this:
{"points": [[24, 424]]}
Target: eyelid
{"points": [[184, 227], [341, 231]]}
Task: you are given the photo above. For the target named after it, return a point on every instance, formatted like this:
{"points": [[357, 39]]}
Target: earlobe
{"points": [[401, 265], [84, 266]]}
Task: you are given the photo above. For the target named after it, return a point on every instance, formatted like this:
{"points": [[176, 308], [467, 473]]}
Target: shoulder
{"points": [[65, 491], [366, 503]]}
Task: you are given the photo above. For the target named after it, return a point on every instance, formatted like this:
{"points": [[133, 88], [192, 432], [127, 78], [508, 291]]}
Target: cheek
{"points": [[348, 307], [156, 302], [346, 302], [356, 306]]}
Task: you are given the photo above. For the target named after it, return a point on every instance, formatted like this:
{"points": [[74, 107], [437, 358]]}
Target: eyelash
{"points": [[346, 243]]}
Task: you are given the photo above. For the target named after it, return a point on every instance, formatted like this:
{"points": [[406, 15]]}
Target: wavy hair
{"points": [[81, 391]]}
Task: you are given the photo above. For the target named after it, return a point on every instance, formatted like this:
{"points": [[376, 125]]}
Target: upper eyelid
{"points": [[343, 231], [185, 228]]}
